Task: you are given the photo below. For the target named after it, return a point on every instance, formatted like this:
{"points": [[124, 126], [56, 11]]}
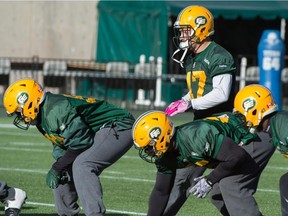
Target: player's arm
{"points": [[219, 94], [160, 194], [77, 138], [232, 160]]}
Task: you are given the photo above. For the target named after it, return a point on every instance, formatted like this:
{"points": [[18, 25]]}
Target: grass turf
{"points": [[26, 158]]}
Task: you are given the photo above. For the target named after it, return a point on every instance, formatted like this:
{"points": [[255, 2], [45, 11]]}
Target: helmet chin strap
{"points": [[184, 46], [181, 62]]}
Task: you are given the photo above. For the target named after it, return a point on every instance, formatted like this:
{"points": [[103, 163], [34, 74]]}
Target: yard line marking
{"points": [[101, 176], [7, 126], [27, 144], [131, 157], [269, 190], [24, 170], [124, 156], [40, 204], [277, 168], [125, 212], [114, 177], [128, 179], [44, 171], [24, 149], [14, 127], [19, 134], [108, 210], [41, 150]]}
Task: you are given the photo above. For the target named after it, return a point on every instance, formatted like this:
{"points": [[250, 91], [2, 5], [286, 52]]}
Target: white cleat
{"points": [[13, 207]]}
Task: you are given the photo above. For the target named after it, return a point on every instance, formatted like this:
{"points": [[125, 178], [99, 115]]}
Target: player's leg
{"points": [[217, 200], [234, 194], [283, 184], [184, 180], [109, 145], [65, 198]]}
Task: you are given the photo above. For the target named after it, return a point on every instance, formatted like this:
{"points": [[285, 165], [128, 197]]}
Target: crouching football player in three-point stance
{"points": [[257, 104], [88, 136], [212, 143]]}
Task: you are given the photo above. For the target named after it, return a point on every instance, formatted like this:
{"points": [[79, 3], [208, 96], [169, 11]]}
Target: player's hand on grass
{"points": [[53, 178], [201, 188]]}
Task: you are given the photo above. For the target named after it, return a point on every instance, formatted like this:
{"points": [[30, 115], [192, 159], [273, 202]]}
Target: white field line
{"points": [[24, 149], [10, 133], [102, 176], [14, 127], [112, 177], [7, 126], [41, 150], [108, 210], [27, 144], [19, 144], [42, 171]]}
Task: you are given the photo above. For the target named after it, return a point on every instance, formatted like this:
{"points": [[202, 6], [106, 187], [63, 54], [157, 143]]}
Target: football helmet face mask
{"points": [[152, 133], [254, 102], [23, 98]]}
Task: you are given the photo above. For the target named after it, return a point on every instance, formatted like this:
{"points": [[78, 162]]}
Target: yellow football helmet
{"points": [[152, 133], [254, 102], [23, 98], [195, 24]]}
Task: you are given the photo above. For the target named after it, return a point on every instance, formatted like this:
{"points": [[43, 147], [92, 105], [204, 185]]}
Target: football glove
{"points": [[202, 187], [176, 107], [53, 178]]}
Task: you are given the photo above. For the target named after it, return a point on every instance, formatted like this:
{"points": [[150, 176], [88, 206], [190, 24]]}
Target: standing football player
{"points": [[88, 135], [12, 198], [211, 143], [210, 75]]}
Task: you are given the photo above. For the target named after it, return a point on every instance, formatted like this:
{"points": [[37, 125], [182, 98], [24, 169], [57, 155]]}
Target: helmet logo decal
{"points": [[200, 20], [249, 104], [22, 98], [155, 132]]}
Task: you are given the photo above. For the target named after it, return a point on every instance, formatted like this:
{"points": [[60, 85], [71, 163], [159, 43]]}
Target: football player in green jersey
{"points": [[211, 143], [12, 198], [210, 69], [257, 104], [88, 135], [210, 76]]}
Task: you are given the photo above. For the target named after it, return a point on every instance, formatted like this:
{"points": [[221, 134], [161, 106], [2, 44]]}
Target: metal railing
{"points": [[129, 85]]}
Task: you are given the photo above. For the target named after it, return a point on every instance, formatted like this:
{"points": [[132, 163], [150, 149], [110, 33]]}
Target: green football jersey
{"points": [[199, 141], [72, 121], [201, 69], [278, 124]]}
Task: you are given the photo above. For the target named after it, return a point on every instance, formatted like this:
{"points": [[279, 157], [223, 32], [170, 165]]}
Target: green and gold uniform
{"points": [[277, 129], [279, 132], [198, 142], [212, 143], [200, 70], [71, 122], [88, 136]]}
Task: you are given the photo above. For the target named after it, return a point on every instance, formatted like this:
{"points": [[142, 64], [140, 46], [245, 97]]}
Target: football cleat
{"points": [[13, 206], [12, 212]]}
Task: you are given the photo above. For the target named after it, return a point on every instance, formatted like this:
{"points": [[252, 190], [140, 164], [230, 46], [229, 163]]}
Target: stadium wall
{"points": [[48, 29]]}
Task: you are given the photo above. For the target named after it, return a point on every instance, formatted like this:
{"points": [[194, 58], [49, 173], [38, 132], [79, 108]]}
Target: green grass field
{"points": [[26, 158]]}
